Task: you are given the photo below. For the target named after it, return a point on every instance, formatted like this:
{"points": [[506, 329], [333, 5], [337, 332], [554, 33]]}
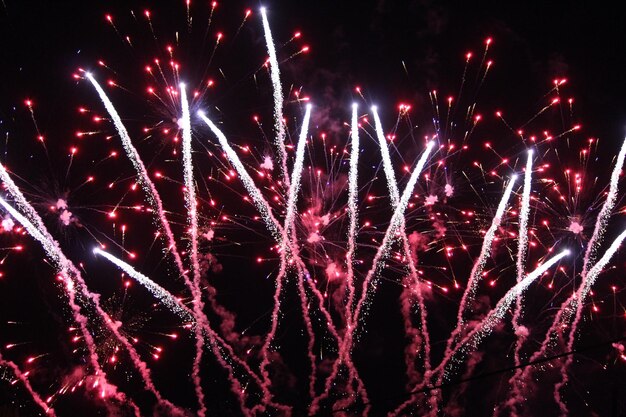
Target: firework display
{"points": [[220, 238]]}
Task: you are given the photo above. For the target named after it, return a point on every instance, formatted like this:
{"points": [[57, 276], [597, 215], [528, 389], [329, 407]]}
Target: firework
{"points": [[336, 245]]}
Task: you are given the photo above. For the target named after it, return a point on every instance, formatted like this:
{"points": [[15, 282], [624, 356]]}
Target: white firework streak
{"points": [[522, 248], [160, 293], [146, 183], [223, 351], [276, 229], [67, 269], [368, 285], [33, 223], [477, 269], [190, 185], [191, 203], [575, 302], [296, 178], [605, 212], [257, 198], [263, 207], [279, 126], [353, 212], [387, 166], [394, 194], [579, 303], [471, 341]]}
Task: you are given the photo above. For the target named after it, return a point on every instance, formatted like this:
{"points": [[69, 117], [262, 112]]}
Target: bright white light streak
{"points": [[522, 245], [353, 208], [50, 248], [164, 296], [387, 165], [605, 212], [279, 126], [142, 175], [296, 175], [473, 339], [246, 179]]}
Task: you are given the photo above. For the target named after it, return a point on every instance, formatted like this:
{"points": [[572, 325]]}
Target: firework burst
{"points": [[330, 228]]}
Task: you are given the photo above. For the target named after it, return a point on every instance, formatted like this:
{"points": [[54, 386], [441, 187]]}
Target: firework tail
{"points": [[35, 227], [590, 279], [522, 247], [192, 211], [381, 253], [23, 378], [568, 308], [477, 270], [222, 350], [146, 183], [279, 125], [284, 244], [73, 280], [474, 337], [420, 336]]}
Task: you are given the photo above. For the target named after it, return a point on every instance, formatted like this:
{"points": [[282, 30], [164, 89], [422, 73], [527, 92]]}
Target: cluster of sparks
{"points": [[275, 187]]}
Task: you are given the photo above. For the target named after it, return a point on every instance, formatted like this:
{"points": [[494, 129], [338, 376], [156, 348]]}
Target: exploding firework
{"points": [[273, 262]]}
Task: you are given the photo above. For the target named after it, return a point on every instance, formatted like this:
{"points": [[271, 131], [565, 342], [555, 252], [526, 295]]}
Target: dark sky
{"points": [[352, 43]]}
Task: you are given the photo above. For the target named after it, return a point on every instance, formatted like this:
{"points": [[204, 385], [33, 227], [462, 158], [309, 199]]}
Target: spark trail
{"points": [[369, 282], [522, 248], [477, 269], [353, 213], [146, 183], [23, 378], [570, 307], [73, 279], [222, 350], [419, 336], [160, 293], [192, 210], [591, 277], [279, 125], [287, 229], [470, 342]]}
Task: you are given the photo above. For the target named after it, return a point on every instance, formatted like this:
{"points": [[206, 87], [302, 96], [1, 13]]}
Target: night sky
{"points": [[383, 53]]}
